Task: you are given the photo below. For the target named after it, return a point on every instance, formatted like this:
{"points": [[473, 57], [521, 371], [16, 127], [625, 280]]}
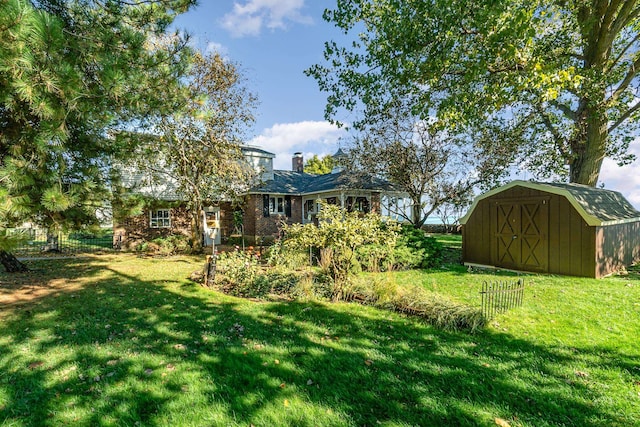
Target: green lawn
{"points": [[122, 341]]}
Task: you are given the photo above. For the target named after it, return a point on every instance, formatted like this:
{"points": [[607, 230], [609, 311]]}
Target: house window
{"points": [[160, 218], [276, 205]]}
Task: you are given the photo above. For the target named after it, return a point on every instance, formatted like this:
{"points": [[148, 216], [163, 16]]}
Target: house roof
{"points": [[256, 150], [143, 184], [597, 206], [296, 183]]}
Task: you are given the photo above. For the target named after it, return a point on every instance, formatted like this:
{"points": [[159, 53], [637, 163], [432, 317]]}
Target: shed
{"points": [[556, 228]]}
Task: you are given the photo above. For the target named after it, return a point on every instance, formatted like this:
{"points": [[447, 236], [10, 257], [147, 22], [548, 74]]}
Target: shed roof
{"points": [[290, 182], [597, 206]]}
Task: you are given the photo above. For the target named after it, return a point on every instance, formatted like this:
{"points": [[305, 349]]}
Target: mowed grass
{"points": [[123, 341]]}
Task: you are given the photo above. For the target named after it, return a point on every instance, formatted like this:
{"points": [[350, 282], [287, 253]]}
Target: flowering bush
{"points": [[341, 233], [238, 273]]}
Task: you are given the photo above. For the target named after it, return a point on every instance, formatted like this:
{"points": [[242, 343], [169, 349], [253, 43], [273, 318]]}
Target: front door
{"points": [[521, 235]]}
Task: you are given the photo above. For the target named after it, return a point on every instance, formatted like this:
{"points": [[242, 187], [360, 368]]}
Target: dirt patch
{"points": [[46, 278], [24, 288]]}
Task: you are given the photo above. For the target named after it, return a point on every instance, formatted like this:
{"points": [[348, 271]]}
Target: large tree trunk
{"points": [[590, 147], [11, 263], [418, 219], [590, 152]]}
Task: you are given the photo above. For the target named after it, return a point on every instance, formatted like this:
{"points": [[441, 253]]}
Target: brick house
{"points": [[289, 196]]}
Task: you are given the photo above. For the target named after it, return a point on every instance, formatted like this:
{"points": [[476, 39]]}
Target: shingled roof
{"points": [[296, 183], [597, 206], [602, 205]]}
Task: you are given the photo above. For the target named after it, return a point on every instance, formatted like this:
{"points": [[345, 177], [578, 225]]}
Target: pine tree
{"points": [[72, 72]]}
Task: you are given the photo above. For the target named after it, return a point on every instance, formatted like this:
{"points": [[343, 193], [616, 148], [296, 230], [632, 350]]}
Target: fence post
{"points": [[498, 297]]}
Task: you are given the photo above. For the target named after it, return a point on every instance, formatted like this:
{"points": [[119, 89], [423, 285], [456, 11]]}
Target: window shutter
{"points": [[265, 205], [287, 206]]}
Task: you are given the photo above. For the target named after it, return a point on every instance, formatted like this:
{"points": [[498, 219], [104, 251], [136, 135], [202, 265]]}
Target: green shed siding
{"points": [[476, 238]]}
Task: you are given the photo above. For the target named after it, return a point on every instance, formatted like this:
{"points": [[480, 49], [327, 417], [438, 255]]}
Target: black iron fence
{"points": [[34, 242], [498, 297]]}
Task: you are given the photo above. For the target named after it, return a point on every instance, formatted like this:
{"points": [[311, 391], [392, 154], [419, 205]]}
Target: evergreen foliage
{"points": [[72, 72]]}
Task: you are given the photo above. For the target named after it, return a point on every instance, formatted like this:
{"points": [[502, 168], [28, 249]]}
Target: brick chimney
{"points": [[297, 163]]}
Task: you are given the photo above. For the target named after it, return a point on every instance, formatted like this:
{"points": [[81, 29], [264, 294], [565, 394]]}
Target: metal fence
{"points": [[34, 242], [498, 297]]}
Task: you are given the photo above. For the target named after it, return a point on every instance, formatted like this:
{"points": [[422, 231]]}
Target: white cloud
{"points": [[249, 18], [624, 179], [308, 137]]}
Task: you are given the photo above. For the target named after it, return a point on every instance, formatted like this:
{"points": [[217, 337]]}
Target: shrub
{"points": [[238, 273], [374, 258], [342, 233], [282, 281], [405, 257], [279, 255], [413, 249], [424, 248]]}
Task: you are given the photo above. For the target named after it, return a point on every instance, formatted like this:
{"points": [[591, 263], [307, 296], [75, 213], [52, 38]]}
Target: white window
{"points": [[160, 218], [276, 205]]}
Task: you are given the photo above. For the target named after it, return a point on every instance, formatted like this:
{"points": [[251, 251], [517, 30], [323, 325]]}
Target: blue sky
{"points": [[274, 41]]}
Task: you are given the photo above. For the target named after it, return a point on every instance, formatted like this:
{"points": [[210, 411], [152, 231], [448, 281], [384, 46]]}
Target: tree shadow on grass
{"points": [[118, 350]]}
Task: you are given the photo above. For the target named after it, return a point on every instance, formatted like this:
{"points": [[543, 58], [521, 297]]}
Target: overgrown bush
{"points": [[413, 249], [375, 258], [280, 255], [424, 251], [282, 281], [239, 273], [340, 233], [173, 244]]}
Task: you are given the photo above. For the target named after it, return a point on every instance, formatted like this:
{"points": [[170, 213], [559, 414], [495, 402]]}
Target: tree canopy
{"points": [[433, 166], [70, 72], [197, 146], [559, 79], [319, 165]]}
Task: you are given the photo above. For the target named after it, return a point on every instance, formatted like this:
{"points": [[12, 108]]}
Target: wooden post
{"points": [[210, 270]]}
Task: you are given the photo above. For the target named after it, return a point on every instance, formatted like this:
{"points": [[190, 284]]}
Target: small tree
{"points": [[432, 165], [198, 145], [340, 233]]}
